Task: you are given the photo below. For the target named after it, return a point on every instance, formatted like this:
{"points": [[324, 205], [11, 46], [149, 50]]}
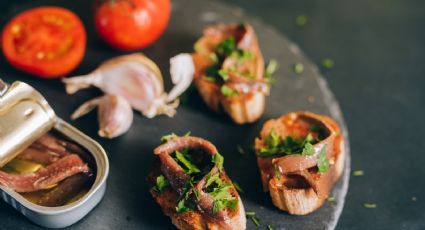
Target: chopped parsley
{"points": [[184, 158], [171, 136], [301, 20], [255, 221], [358, 173], [277, 172], [181, 207], [214, 186], [369, 205], [240, 149], [331, 199], [275, 145], [322, 161], [327, 63], [227, 91], [161, 183], [218, 160], [271, 68], [308, 149], [249, 213], [298, 68], [223, 74], [168, 137], [221, 195], [226, 47], [213, 57], [238, 187]]}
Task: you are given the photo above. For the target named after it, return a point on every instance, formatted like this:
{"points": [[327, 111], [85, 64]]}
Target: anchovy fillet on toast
{"points": [[300, 156], [192, 188], [229, 71]]}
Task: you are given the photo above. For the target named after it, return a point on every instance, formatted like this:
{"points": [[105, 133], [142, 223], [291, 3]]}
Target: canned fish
{"points": [[54, 190]]}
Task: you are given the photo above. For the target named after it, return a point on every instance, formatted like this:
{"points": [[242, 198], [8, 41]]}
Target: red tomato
{"points": [[45, 41], [131, 24]]}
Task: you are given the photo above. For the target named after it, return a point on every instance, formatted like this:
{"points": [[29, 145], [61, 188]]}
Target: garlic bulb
{"points": [[135, 78], [114, 114]]}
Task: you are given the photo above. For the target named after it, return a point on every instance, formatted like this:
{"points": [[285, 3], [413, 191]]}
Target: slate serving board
{"points": [[127, 203]]}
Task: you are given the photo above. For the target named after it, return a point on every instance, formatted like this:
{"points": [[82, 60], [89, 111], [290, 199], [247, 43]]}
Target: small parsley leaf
{"points": [[322, 161], [227, 91], [190, 168], [308, 150], [181, 207], [161, 183], [218, 160]]}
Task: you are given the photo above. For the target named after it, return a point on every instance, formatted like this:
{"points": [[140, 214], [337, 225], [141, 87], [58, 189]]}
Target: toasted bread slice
{"points": [[195, 220], [301, 189], [247, 100], [201, 212]]}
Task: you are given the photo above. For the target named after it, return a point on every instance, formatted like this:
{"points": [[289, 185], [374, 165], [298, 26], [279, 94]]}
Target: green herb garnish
{"points": [[223, 74], [227, 91], [222, 197], [358, 173], [274, 145], [240, 149], [181, 207], [269, 227], [218, 160], [184, 158], [214, 186], [298, 68], [249, 213], [308, 150], [270, 70], [161, 183], [213, 179], [168, 137], [277, 172], [226, 47], [327, 63], [255, 221], [211, 79], [238, 187], [331, 199], [301, 20], [213, 57], [322, 161], [369, 205]]}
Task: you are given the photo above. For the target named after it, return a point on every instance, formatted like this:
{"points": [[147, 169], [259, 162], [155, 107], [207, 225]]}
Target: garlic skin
{"points": [[135, 78], [115, 114], [182, 71]]}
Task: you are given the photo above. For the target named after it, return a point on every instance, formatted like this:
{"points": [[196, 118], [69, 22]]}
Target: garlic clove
{"points": [[115, 114], [138, 80], [182, 71], [85, 108]]}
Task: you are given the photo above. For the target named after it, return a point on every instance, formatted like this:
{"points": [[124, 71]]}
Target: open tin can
{"points": [[24, 117]]}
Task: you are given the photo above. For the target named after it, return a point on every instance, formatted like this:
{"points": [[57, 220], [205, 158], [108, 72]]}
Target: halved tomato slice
{"points": [[45, 41]]}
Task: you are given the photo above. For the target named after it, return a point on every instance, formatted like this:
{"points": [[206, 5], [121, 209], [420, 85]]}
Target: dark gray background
{"points": [[378, 78], [379, 81]]}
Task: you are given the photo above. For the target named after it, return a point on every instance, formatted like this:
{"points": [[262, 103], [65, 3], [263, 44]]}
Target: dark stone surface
{"points": [[379, 81], [379, 51], [127, 204]]}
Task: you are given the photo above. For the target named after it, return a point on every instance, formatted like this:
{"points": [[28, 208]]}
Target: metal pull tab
{"points": [[3, 87], [24, 116]]}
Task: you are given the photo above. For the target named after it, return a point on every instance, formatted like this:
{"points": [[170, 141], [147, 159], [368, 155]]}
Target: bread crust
{"points": [[304, 191], [245, 107], [203, 214]]}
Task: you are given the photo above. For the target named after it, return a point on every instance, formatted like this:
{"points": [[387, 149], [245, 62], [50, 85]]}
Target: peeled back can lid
{"points": [[24, 117]]}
